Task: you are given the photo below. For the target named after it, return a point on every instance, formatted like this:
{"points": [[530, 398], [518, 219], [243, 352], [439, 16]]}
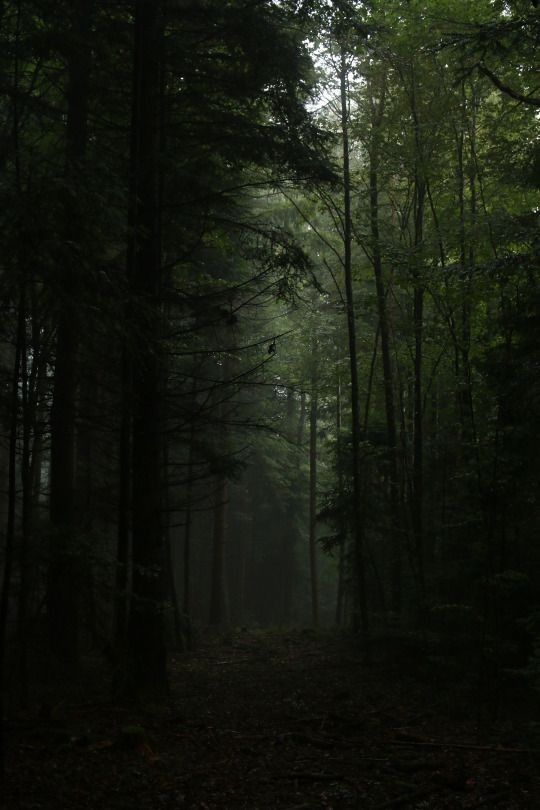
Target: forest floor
{"points": [[274, 720]]}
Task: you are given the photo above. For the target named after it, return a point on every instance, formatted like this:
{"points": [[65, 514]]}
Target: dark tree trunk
{"points": [[418, 418], [179, 637], [62, 585], [313, 416], [124, 508], [418, 443], [28, 401], [219, 613], [188, 520], [361, 617], [417, 506], [218, 596], [301, 420], [463, 360], [146, 658], [9, 549], [288, 521], [384, 327], [37, 420], [186, 600], [342, 528]]}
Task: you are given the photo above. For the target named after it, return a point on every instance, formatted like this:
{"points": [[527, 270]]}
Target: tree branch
{"points": [[531, 100]]}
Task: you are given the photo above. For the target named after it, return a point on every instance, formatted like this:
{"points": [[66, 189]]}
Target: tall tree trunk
{"points": [[218, 589], [288, 520], [123, 536], [417, 506], [147, 669], [188, 520], [361, 617], [218, 595], [62, 585], [301, 421], [28, 402], [342, 527], [464, 381], [418, 442], [313, 416], [384, 326], [9, 551], [462, 349], [170, 555], [418, 418]]}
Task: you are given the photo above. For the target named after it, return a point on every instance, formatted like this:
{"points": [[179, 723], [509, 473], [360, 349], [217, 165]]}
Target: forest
{"points": [[269, 393]]}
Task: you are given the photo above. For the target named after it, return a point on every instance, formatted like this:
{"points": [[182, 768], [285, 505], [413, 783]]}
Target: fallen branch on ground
{"points": [[464, 746]]}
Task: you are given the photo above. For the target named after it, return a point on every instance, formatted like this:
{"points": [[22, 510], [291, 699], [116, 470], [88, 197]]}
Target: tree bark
{"points": [[28, 389], [418, 440], [384, 327], [288, 525], [188, 519], [313, 415], [218, 597], [361, 618], [9, 551], [417, 507], [418, 418], [62, 585], [342, 528], [218, 590], [146, 653]]}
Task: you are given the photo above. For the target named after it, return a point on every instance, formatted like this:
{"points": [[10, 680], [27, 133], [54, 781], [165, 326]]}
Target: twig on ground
{"points": [[464, 746]]}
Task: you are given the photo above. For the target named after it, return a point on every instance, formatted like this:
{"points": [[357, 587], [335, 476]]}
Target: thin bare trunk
{"points": [[147, 660], [28, 391], [9, 551], [417, 506], [218, 600], [342, 528], [388, 376], [218, 593], [124, 508], [313, 415], [187, 527], [361, 617], [63, 574]]}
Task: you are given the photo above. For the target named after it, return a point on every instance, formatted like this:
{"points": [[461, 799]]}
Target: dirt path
{"points": [[272, 721]]}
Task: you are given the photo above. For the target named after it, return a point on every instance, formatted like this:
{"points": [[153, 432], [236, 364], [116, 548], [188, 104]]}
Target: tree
{"points": [[63, 579], [146, 643]]}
